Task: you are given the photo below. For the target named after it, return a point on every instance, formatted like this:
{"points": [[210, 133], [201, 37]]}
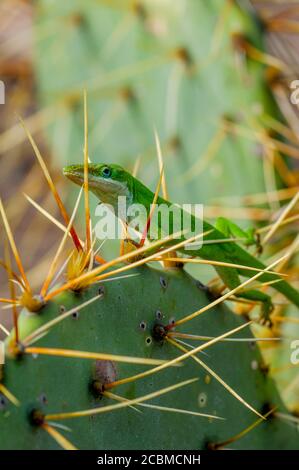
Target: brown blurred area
{"points": [[281, 23], [35, 236]]}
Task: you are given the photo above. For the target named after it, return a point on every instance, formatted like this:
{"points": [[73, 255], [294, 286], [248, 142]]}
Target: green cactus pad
{"points": [[172, 65], [122, 322]]}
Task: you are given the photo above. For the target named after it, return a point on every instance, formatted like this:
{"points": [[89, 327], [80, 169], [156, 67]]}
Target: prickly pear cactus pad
{"points": [[128, 318], [188, 67]]}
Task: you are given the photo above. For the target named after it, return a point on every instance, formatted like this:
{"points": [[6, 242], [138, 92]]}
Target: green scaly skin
{"points": [[108, 182]]}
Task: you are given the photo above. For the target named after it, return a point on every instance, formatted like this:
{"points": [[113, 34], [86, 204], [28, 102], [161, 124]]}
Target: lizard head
{"points": [[107, 182]]}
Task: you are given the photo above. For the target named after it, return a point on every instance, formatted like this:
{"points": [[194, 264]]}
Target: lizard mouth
{"points": [[78, 177], [104, 188]]}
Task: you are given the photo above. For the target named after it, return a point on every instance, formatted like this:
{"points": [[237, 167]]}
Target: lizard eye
{"points": [[106, 172]]}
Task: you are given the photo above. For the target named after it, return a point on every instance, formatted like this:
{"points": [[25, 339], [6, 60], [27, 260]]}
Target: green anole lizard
{"points": [[108, 182]]}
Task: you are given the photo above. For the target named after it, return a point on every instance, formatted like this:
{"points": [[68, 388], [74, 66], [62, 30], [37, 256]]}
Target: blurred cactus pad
{"points": [[183, 66]]}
